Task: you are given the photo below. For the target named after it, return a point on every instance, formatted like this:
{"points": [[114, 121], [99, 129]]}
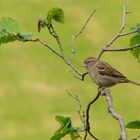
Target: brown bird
{"points": [[103, 74]]}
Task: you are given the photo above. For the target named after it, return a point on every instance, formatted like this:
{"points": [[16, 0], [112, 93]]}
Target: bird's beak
{"points": [[83, 65]]}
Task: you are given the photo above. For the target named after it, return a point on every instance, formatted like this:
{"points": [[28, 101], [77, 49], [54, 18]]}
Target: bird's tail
{"points": [[133, 82], [125, 80]]}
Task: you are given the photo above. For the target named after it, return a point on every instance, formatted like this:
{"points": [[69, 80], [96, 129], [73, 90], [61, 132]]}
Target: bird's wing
{"points": [[106, 69]]}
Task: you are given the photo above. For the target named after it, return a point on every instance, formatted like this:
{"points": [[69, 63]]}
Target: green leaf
{"points": [[8, 30], [57, 137], [74, 135], [60, 133], [66, 128], [64, 121], [9, 25], [57, 14], [24, 36], [136, 27], [134, 124], [5, 37], [136, 51]]}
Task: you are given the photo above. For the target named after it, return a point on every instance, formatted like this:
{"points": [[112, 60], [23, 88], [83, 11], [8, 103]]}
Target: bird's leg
{"points": [[101, 90]]}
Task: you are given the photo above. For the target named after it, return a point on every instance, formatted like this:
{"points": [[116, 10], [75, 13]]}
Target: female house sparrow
{"points": [[103, 74]]}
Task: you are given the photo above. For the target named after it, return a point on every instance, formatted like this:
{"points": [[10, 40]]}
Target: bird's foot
{"points": [[101, 91]]}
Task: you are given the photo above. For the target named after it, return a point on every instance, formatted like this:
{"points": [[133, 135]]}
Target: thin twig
{"points": [[76, 35], [63, 58], [80, 111], [115, 115], [55, 35], [123, 49], [87, 117], [136, 138], [129, 33], [46, 45], [52, 31], [62, 55], [118, 34], [81, 77]]}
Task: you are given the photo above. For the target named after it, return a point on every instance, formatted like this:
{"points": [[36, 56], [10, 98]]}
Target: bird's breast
{"points": [[95, 75]]}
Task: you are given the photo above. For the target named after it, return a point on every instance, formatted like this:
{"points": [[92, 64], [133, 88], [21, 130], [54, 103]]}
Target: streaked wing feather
{"points": [[106, 69]]}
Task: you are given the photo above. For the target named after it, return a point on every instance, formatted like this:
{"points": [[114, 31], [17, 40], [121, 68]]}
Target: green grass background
{"points": [[33, 80]]}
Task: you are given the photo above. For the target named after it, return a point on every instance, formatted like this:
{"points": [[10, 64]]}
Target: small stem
{"points": [[76, 35], [80, 110], [63, 58], [118, 34], [136, 138], [46, 45], [123, 49], [129, 33], [55, 35]]}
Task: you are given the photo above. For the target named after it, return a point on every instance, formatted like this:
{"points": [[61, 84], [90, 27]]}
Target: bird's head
{"points": [[89, 62]]}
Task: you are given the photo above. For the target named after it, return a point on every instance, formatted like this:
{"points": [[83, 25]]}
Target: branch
{"points": [[118, 34], [46, 45], [115, 115], [82, 29], [129, 33], [81, 77], [80, 111], [55, 35], [77, 74], [87, 117], [136, 138], [63, 58], [80, 32], [123, 49]]}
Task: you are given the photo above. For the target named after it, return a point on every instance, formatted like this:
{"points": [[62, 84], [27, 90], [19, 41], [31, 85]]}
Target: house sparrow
{"points": [[103, 74]]}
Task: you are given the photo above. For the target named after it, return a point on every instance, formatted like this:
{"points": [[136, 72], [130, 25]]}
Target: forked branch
{"points": [[123, 49], [118, 35], [80, 110], [76, 35], [88, 131], [74, 71]]}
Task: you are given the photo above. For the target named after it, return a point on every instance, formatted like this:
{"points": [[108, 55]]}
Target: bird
{"points": [[103, 74]]}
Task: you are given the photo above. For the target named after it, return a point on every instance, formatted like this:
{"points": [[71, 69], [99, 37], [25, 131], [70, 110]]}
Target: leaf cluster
{"points": [[66, 128], [9, 31], [56, 14]]}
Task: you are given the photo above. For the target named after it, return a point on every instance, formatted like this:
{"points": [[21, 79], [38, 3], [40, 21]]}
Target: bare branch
{"points": [[46, 45], [118, 34], [63, 58], [52, 31], [76, 35], [129, 33], [80, 111], [87, 117], [115, 115], [55, 35], [123, 49], [136, 138]]}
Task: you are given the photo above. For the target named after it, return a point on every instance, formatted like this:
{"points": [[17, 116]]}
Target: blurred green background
{"points": [[33, 80]]}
